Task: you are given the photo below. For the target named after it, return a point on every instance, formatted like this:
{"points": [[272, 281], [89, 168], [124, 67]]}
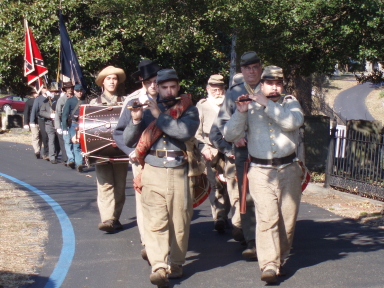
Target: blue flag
{"points": [[69, 66]]}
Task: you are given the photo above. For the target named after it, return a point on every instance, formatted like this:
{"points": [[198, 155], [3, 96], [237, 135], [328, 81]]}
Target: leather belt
{"points": [[166, 153], [274, 161]]}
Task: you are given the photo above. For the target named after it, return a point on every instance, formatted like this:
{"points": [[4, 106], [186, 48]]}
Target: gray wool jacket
{"points": [[225, 113], [175, 133], [272, 131]]}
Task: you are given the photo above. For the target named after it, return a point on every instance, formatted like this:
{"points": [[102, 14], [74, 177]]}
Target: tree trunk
{"points": [[301, 88]]}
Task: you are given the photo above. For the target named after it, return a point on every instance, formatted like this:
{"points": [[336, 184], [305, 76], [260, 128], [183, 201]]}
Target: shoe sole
{"points": [[268, 277], [106, 229], [156, 279], [71, 165], [249, 255]]}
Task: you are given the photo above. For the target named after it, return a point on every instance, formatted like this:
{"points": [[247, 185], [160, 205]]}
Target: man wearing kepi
{"points": [[147, 75], [69, 122], [251, 69], [159, 134], [275, 175], [111, 176], [208, 109]]}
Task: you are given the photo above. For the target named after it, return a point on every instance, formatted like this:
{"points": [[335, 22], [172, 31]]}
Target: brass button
{"points": [[165, 148], [165, 162], [164, 135], [165, 142], [271, 137], [271, 130], [273, 144], [273, 152], [269, 123]]}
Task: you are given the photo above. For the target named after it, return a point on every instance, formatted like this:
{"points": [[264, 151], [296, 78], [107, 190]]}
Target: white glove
{"points": [[59, 131], [52, 115], [32, 125], [65, 132], [26, 127]]}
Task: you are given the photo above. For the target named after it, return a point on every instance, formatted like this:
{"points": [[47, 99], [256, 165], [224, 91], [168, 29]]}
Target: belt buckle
{"points": [[161, 150], [274, 162]]}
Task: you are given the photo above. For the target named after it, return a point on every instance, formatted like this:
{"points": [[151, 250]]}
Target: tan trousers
{"points": [[167, 219], [111, 180], [136, 168], [277, 195], [36, 139], [233, 191]]}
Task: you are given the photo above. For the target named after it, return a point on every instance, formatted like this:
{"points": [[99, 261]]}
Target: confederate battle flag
{"points": [[34, 68]]}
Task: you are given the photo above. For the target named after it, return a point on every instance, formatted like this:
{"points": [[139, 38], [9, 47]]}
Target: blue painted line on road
{"points": [[68, 250]]}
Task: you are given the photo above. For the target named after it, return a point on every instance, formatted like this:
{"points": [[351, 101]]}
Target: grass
{"points": [[336, 85], [22, 238], [375, 104]]}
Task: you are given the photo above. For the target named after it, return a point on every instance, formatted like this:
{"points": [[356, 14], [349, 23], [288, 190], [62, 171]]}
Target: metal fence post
{"points": [[331, 155]]}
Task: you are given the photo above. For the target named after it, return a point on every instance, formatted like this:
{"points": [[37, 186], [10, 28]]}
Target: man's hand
{"points": [[260, 98], [26, 127], [136, 113], [152, 105], [207, 154], [242, 106], [32, 125], [52, 115], [241, 142], [59, 131], [132, 156], [65, 132]]}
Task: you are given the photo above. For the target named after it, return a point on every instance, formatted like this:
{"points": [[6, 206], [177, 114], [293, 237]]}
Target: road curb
{"points": [[319, 189]]}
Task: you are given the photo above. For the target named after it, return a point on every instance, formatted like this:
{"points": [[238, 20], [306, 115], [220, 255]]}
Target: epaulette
{"points": [[234, 85], [202, 100]]}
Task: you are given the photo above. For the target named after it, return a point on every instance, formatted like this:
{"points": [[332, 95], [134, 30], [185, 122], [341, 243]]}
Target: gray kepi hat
{"points": [[166, 75], [272, 72], [249, 57]]}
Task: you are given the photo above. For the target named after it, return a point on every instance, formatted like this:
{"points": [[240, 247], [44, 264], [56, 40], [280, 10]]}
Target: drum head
{"points": [[201, 189]]}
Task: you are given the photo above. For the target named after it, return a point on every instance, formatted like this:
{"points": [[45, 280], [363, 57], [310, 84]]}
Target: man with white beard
{"points": [[208, 110]]}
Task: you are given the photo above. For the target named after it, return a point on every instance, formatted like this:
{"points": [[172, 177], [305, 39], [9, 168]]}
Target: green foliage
{"points": [[375, 77], [381, 95], [193, 36]]}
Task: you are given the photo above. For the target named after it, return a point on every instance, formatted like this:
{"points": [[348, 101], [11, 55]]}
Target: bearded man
{"points": [[220, 202], [159, 135], [271, 122]]}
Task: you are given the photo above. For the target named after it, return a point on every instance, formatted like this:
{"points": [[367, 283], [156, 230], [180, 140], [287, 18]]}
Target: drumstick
{"points": [[249, 99], [159, 101]]}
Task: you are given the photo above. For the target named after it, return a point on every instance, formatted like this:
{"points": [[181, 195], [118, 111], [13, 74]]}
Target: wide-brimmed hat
{"points": [[272, 72], [249, 57], [110, 70], [147, 69], [166, 75], [68, 84], [216, 79]]}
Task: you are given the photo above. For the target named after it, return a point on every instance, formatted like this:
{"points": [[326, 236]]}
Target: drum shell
{"points": [[96, 126]]}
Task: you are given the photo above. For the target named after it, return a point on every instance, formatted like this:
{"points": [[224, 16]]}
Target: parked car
{"points": [[13, 102]]}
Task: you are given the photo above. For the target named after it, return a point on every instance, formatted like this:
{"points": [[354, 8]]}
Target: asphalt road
{"points": [[328, 251], [350, 103]]}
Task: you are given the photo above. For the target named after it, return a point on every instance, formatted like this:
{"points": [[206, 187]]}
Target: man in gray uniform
{"points": [[251, 70], [272, 123], [147, 75], [159, 134], [223, 196]]}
